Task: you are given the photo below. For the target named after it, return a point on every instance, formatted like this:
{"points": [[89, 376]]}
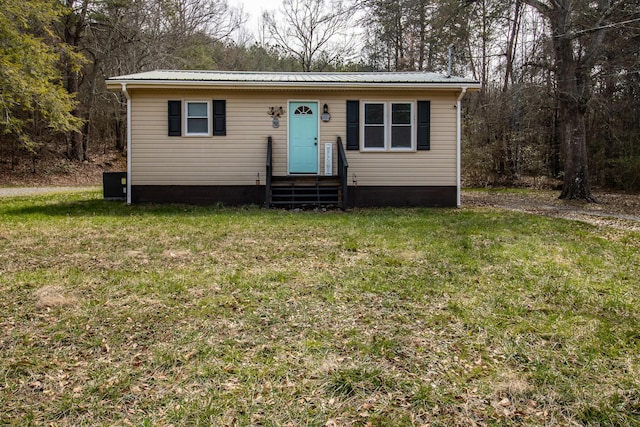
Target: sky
{"points": [[254, 9]]}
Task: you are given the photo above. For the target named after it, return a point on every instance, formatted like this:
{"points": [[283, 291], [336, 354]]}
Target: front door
{"points": [[303, 137]]}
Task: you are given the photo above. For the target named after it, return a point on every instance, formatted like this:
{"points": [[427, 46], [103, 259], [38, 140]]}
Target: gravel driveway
{"points": [[613, 209], [33, 191]]}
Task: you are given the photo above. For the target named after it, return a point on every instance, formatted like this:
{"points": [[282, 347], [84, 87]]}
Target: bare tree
{"points": [[185, 18], [182, 26], [310, 30], [578, 32], [512, 42]]}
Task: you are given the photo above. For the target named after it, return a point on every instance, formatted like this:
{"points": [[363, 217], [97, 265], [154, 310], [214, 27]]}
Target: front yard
{"points": [[177, 315]]}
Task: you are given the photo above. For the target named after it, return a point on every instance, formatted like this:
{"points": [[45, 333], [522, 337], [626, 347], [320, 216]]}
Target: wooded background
{"points": [[560, 96]]}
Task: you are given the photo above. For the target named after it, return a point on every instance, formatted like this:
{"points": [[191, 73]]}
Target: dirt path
{"points": [[620, 211]]}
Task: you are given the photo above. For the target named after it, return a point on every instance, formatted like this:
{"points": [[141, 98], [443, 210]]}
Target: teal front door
{"points": [[303, 137]]}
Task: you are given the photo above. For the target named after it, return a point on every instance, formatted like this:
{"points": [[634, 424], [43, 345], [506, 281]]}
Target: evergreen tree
{"points": [[30, 80]]}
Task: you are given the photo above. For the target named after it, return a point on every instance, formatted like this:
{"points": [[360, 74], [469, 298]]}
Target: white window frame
{"points": [[411, 126], [187, 117], [388, 127], [384, 126]]}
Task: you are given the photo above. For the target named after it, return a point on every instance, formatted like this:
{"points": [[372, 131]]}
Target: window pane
{"points": [[401, 137], [198, 125], [374, 114], [303, 109], [374, 136], [197, 109], [401, 113]]}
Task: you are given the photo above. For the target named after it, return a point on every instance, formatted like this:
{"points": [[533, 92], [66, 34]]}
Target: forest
{"points": [[560, 97]]}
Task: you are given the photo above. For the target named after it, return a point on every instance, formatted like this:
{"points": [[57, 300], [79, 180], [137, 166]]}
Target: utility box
{"points": [[114, 185]]}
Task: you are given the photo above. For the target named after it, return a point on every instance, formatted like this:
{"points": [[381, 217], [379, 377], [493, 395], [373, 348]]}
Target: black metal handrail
{"points": [[269, 173], [343, 166]]}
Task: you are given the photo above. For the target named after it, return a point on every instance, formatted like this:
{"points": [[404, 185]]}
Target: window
{"points": [[303, 110], [201, 118], [388, 126], [401, 126], [197, 118], [374, 129]]}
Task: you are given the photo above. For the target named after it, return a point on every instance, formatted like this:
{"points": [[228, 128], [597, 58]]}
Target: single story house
{"points": [[290, 139]]}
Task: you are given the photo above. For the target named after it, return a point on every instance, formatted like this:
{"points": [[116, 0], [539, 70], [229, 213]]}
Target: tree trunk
{"points": [[120, 138], [73, 32], [423, 36], [572, 79], [76, 146], [574, 148], [555, 144], [573, 74], [511, 45]]}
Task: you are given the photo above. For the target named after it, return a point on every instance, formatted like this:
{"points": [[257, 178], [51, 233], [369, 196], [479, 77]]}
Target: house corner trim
{"points": [[128, 96]]}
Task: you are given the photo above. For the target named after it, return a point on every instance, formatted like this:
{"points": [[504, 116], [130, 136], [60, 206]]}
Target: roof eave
{"points": [[116, 84]]}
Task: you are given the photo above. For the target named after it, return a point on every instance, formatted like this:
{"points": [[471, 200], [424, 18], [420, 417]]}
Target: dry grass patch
{"points": [[54, 296]]}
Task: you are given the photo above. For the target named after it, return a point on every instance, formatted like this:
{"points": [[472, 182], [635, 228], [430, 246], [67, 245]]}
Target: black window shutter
{"points": [[219, 117], [353, 125], [424, 125], [175, 118]]}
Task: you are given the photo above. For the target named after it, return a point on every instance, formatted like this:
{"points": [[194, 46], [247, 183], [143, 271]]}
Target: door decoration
{"points": [[275, 113]]}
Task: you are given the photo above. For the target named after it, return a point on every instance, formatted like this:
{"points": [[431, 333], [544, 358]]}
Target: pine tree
{"points": [[30, 80]]}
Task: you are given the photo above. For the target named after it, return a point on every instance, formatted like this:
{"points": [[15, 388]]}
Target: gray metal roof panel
{"points": [[274, 78]]}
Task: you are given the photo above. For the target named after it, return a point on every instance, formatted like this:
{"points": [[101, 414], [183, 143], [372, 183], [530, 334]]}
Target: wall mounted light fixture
{"points": [[325, 113]]}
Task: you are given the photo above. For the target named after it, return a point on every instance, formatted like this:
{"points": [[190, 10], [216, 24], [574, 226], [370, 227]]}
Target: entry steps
{"points": [[305, 192]]}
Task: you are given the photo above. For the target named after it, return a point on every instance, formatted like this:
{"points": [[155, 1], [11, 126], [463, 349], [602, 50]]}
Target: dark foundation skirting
{"points": [[228, 195], [426, 196], [234, 195]]}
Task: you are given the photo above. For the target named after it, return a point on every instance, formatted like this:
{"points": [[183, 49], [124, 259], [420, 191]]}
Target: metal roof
{"points": [[272, 79]]}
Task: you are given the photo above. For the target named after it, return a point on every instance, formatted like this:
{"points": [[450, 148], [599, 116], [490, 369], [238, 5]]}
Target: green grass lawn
{"points": [[175, 315]]}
